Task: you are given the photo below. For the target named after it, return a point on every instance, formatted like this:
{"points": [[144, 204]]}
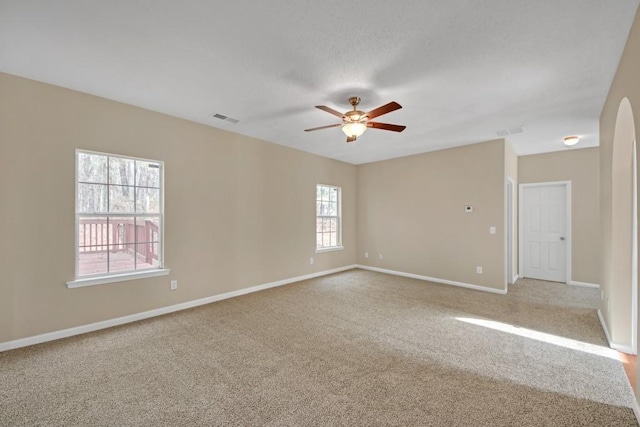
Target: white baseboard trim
{"points": [[622, 348], [584, 284], [634, 406], [433, 279], [51, 336], [615, 346], [636, 409], [515, 279], [604, 327]]}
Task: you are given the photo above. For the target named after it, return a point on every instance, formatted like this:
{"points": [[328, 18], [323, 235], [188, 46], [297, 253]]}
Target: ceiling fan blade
{"points": [[324, 127], [387, 108], [330, 110], [351, 138], [386, 126]]}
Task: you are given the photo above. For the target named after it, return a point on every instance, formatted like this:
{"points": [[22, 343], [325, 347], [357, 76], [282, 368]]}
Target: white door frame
{"points": [[509, 218], [568, 238], [634, 253]]}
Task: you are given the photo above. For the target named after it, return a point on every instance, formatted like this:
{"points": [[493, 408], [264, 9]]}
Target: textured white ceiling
{"points": [[462, 69]]}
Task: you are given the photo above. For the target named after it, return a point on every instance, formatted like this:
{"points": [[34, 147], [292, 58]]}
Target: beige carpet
{"points": [[356, 348]]}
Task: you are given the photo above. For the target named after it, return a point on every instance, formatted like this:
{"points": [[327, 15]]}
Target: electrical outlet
{"points": [[381, 257], [479, 270], [174, 285], [311, 260], [492, 230], [366, 254]]}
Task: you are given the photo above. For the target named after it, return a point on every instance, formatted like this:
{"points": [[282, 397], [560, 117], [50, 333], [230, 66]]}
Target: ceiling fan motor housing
{"points": [[355, 115]]}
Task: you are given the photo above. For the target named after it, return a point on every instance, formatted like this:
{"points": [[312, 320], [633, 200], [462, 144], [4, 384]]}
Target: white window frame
{"points": [[123, 275], [338, 216]]}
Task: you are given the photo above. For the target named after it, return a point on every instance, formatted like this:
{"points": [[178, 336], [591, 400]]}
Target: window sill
{"points": [[100, 280], [335, 248]]}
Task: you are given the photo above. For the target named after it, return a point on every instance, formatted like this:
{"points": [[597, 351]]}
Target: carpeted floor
{"points": [[356, 348]]}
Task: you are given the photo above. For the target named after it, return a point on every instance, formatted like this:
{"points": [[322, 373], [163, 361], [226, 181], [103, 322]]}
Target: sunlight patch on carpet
{"points": [[544, 337]]}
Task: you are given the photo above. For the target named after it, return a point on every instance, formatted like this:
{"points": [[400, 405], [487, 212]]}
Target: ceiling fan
{"points": [[355, 122]]}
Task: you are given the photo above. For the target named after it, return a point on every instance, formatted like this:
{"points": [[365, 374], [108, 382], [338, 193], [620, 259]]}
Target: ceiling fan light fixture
{"points": [[571, 140], [354, 129], [355, 122]]}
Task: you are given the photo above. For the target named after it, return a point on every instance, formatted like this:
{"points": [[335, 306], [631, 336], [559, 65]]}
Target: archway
{"points": [[623, 304]]}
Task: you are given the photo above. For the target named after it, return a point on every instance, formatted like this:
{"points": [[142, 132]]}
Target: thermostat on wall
{"points": [[468, 209]]}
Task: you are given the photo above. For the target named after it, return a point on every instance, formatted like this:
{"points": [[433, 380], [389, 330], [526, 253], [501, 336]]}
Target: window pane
{"points": [[93, 234], [334, 224], [121, 171], [333, 194], [326, 224], [92, 245], [120, 198], [333, 239], [92, 168], [147, 174], [318, 192], [147, 229], [325, 193], [332, 209], [121, 258], [318, 240], [147, 200], [92, 198], [147, 255], [318, 224], [326, 240], [121, 232], [92, 262], [326, 208]]}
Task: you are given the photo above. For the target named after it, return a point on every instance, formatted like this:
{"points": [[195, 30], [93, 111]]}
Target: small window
{"points": [[328, 217], [119, 214]]}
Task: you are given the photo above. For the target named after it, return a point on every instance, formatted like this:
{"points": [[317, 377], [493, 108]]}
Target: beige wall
{"points": [[616, 306], [581, 168], [239, 212], [411, 210]]}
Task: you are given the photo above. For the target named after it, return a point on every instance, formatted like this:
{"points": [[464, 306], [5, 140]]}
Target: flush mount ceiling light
{"points": [[571, 140]]}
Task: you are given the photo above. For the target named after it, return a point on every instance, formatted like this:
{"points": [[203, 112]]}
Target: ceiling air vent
{"points": [[511, 131], [225, 118]]}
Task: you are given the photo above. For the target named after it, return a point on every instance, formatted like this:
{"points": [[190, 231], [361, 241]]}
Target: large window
{"points": [[119, 214], [328, 227]]}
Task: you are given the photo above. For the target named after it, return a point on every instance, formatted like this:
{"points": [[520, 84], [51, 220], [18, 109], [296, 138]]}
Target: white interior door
{"points": [[544, 232]]}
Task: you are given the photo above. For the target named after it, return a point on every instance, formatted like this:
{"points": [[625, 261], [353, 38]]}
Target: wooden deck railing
{"points": [[99, 235]]}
